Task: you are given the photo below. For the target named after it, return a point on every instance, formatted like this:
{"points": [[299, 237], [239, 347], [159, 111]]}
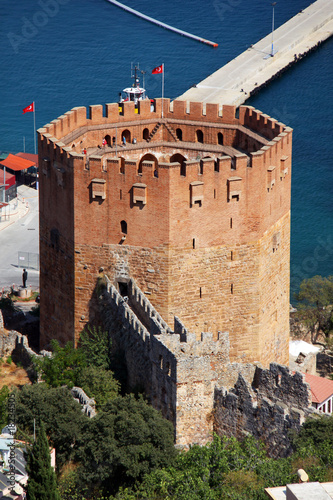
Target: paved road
{"points": [[22, 235]]}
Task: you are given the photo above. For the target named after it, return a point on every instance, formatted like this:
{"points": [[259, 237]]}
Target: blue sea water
{"points": [[66, 53]]}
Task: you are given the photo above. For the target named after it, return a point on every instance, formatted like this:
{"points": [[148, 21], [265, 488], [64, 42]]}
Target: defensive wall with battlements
{"points": [[192, 382], [195, 208]]}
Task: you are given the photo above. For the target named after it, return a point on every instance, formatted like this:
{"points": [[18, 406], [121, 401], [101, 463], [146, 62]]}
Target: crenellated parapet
{"points": [[89, 126], [179, 342], [268, 405], [168, 365], [140, 300]]}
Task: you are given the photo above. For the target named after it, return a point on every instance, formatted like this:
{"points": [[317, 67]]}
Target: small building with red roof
{"points": [[7, 185], [23, 166], [30, 157], [15, 163], [321, 392]]}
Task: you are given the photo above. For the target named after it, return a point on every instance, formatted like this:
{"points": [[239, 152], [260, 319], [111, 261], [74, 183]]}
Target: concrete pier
{"points": [[243, 76]]}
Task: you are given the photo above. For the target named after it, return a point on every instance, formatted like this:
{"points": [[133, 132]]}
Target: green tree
{"points": [[67, 365], [124, 441], [61, 414], [62, 367], [225, 468], [99, 384], [314, 446], [95, 344], [67, 484], [316, 299], [41, 483], [315, 431], [4, 393]]}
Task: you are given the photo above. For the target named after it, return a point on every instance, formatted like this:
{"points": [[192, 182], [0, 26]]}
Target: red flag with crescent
{"points": [[157, 70], [28, 108]]}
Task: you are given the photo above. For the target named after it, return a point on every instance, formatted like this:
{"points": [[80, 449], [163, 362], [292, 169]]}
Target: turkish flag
{"points": [[157, 70], [29, 108]]}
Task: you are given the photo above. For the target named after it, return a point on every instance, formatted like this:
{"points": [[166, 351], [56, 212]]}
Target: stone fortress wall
{"points": [[193, 383], [205, 198]]}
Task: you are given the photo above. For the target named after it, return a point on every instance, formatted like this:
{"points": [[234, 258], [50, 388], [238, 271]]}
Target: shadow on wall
{"points": [[114, 327]]}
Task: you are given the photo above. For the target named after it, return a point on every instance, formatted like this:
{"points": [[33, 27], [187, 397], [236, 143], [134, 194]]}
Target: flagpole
{"points": [[162, 86], [34, 125]]}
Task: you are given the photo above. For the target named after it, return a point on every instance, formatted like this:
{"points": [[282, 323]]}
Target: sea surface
{"points": [[66, 53]]}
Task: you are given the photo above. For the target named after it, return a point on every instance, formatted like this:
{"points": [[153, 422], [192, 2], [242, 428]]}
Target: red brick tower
{"points": [[195, 208]]}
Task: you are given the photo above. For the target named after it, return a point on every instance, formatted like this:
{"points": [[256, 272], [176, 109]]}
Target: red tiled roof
{"points": [[321, 388], [29, 156], [16, 163], [9, 180]]}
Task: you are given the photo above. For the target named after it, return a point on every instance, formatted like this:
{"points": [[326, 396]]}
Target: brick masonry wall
{"points": [[212, 256]]}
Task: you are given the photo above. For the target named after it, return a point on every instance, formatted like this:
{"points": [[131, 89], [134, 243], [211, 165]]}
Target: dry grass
{"points": [[12, 375]]}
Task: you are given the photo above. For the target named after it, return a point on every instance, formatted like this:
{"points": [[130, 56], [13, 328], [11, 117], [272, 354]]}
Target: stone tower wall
{"points": [[204, 246]]}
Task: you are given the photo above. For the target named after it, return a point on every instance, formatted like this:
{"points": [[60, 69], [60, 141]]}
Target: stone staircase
{"points": [[171, 132], [169, 129], [153, 132]]}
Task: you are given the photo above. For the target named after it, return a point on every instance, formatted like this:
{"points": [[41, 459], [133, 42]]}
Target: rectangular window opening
{"points": [[231, 288], [215, 194], [200, 293], [231, 255], [230, 222], [121, 195], [193, 242]]}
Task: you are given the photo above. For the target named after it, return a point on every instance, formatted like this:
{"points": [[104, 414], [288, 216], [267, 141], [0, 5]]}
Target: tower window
{"points": [[201, 168], [179, 134], [231, 288], [276, 241], [230, 222], [193, 242], [123, 225], [55, 238], [199, 136]]}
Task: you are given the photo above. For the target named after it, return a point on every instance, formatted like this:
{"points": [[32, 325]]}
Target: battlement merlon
{"points": [[112, 113], [196, 360], [188, 345]]}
